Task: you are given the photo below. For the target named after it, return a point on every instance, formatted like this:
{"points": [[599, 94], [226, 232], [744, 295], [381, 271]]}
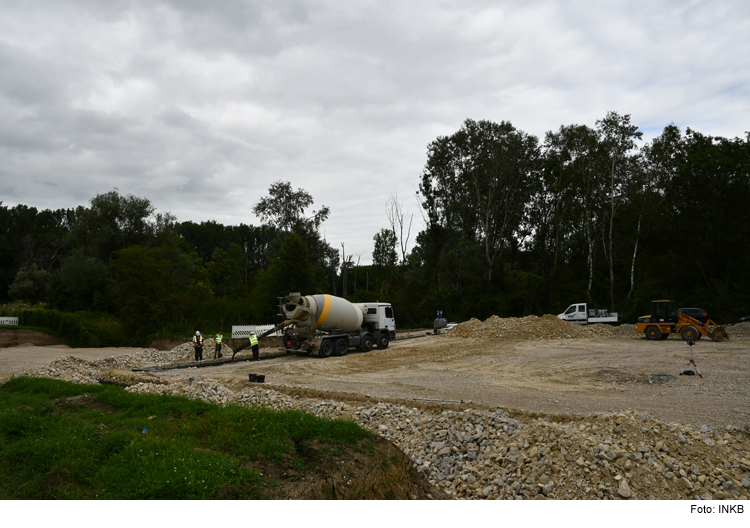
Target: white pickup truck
{"points": [[584, 313]]}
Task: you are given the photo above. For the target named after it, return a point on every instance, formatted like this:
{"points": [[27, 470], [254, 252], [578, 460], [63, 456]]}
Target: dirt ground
{"points": [[554, 376]]}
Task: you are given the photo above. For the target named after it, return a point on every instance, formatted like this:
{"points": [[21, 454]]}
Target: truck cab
{"points": [[379, 317], [576, 313]]}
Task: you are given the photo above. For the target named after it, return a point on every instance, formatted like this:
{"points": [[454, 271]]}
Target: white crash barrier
{"points": [[243, 332]]}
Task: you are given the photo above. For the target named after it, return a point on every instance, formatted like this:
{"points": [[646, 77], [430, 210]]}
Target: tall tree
{"points": [[292, 271], [577, 191], [30, 284], [156, 287], [285, 208], [617, 138], [114, 222], [482, 175], [30, 236], [384, 254], [225, 270], [82, 283]]}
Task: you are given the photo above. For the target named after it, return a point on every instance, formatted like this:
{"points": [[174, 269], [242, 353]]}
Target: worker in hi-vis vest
{"points": [[217, 351], [254, 343], [198, 345]]}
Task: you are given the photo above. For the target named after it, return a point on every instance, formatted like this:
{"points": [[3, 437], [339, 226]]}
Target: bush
{"points": [[80, 329]]}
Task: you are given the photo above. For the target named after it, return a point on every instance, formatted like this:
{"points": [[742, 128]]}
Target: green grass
{"points": [[66, 441]]}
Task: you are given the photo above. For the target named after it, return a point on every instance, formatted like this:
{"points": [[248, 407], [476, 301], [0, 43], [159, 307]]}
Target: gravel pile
{"points": [[625, 330], [68, 368], [186, 350], [739, 330], [529, 327], [77, 370]]}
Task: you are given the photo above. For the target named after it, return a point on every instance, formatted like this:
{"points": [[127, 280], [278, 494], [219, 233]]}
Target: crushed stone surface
{"points": [[476, 451]]}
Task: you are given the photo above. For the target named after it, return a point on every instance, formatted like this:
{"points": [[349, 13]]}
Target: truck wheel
{"points": [[688, 333], [653, 333], [326, 349], [342, 347], [383, 341], [366, 343]]}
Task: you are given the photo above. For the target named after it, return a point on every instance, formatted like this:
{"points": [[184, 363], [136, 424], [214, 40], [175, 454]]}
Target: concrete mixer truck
{"points": [[325, 325]]}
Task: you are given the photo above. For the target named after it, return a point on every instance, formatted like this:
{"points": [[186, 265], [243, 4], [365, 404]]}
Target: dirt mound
{"points": [[374, 470], [126, 377], [626, 330], [11, 337], [529, 327]]}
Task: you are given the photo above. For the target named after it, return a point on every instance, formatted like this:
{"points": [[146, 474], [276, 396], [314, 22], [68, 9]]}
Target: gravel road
{"points": [[577, 375]]}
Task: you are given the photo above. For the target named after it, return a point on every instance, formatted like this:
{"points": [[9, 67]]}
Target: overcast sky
{"points": [[200, 105]]}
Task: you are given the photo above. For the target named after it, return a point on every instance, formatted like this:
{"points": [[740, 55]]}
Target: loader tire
{"points": [[689, 332], [653, 333], [342, 347], [326, 349]]}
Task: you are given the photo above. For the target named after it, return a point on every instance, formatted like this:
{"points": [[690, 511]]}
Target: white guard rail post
{"points": [[243, 332]]}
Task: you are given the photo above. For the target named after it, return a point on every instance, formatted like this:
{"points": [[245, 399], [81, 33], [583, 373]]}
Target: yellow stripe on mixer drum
{"points": [[324, 314]]}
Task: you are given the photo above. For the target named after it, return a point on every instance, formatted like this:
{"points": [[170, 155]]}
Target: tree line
{"points": [[524, 226], [513, 225]]}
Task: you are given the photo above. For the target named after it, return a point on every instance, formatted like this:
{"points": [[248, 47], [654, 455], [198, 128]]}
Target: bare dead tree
{"points": [[356, 269], [346, 263], [394, 210]]}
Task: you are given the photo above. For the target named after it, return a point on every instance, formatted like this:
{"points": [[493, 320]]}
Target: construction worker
{"points": [[254, 343], [198, 344], [217, 352]]}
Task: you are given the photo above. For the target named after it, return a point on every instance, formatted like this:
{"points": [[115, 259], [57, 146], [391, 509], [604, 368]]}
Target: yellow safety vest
{"points": [[253, 340], [218, 339]]}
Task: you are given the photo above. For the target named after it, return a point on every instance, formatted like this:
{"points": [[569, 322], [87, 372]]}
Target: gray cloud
{"points": [[200, 106]]}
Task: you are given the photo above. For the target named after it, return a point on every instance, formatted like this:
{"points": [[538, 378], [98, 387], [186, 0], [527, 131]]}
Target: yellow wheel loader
{"points": [[665, 320]]}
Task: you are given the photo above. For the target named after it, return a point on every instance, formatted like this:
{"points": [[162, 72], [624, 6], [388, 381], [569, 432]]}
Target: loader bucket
{"points": [[719, 334]]}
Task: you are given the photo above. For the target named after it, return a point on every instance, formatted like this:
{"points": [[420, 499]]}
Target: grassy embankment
{"points": [[64, 441]]}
